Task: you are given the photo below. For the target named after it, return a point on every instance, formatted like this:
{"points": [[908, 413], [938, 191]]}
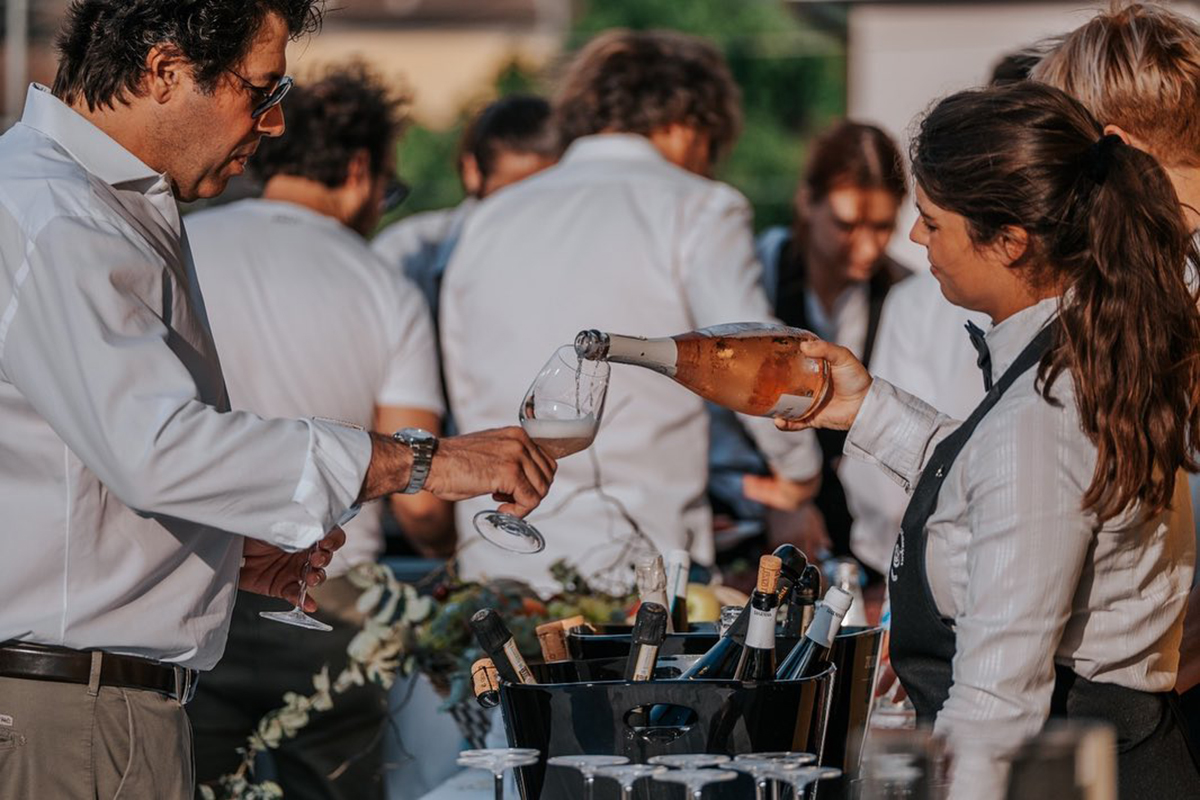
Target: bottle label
{"points": [[790, 406], [760, 633], [518, 662], [646, 657]]}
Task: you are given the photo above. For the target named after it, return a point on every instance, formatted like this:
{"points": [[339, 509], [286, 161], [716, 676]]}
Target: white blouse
{"points": [[1027, 576]]}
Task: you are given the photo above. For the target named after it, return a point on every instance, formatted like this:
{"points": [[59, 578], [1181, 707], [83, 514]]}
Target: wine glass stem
{"points": [[627, 791], [697, 792], [760, 789], [499, 782], [589, 782], [304, 581]]}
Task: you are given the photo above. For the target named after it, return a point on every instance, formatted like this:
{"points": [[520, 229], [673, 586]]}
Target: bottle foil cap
{"points": [[490, 630], [650, 627]]}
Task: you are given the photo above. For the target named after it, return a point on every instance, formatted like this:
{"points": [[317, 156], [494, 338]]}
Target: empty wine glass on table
{"points": [[800, 778], [690, 760], [759, 766], [587, 765], [498, 761], [561, 413], [626, 775], [694, 780]]}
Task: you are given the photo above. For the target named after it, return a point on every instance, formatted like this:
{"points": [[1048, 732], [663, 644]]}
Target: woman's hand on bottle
{"points": [[851, 381]]}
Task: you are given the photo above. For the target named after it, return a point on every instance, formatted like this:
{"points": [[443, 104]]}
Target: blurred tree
{"points": [[792, 76]]}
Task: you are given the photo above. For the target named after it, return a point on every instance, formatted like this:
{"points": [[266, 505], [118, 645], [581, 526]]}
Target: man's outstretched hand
{"points": [[269, 571]]}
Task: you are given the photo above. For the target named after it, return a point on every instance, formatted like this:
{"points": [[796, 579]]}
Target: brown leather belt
{"points": [[44, 663]]}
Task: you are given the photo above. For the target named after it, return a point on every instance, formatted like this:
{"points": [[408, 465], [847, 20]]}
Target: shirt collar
{"points": [[95, 150], [601, 146], [1006, 340]]}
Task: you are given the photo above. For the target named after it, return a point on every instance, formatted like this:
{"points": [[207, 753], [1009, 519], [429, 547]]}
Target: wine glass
{"points": [[690, 761], [297, 616], [561, 413], [759, 766], [799, 778], [626, 775], [498, 761], [588, 766], [694, 780]]}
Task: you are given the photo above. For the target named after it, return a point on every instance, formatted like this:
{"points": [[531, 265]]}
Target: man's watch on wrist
{"points": [[423, 445]]}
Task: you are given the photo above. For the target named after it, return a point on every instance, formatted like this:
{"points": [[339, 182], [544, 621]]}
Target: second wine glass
{"points": [[561, 412]]}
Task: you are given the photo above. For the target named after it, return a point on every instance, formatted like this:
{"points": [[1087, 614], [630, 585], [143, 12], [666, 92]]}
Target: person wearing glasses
{"points": [[135, 501], [269, 267]]}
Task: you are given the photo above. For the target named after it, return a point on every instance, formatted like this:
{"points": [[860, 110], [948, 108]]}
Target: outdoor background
{"points": [[800, 65]]}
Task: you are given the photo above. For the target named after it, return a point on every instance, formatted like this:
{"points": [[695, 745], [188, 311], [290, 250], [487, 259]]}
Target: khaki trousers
{"points": [[63, 741]]}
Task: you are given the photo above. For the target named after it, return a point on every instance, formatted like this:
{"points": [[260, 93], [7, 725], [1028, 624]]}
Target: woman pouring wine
{"points": [[1046, 553]]}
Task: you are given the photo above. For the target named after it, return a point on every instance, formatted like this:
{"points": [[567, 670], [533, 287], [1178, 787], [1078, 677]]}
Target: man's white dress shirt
{"points": [[1027, 576], [921, 347], [122, 473], [616, 238], [308, 321]]}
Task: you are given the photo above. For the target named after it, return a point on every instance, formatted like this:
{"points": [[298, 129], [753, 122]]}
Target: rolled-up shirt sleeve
{"points": [[85, 342]]}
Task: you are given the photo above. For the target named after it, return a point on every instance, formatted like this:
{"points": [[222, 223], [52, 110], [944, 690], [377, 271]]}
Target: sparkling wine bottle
{"points": [[818, 639], [552, 638], [649, 630], [679, 564], [754, 368], [651, 579], [496, 640], [793, 566], [848, 575], [757, 662]]}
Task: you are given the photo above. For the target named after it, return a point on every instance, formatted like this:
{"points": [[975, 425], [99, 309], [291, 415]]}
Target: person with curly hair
{"points": [[135, 500], [630, 233], [269, 266]]}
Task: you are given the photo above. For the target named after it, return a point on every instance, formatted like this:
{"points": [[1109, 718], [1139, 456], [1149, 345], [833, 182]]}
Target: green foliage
{"points": [[793, 84]]}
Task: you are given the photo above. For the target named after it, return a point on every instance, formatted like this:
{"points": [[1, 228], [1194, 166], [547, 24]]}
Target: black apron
{"points": [[1154, 761]]}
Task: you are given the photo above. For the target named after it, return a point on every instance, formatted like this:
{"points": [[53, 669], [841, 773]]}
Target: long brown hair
{"points": [[1105, 226]]}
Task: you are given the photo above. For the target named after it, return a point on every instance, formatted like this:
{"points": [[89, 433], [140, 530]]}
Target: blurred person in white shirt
{"points": [[272, 269], [628, 233], [828, 272], [509, 140]]}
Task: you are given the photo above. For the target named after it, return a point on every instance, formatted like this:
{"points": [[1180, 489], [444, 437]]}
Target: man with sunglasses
{"points": [[135, 501], [270, 267]]}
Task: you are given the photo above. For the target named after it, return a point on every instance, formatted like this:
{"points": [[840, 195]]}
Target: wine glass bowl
{"points": [[561, 412]]}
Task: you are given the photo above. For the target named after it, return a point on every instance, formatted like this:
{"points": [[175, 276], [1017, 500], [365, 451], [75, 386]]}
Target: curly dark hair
{"points": [[344, 111], [640, 81], [103, 44]]}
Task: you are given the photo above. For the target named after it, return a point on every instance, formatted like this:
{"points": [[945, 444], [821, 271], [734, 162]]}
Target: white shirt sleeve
{"points": [[897, 432], [411, 377], [721, 278], [88, 349]]}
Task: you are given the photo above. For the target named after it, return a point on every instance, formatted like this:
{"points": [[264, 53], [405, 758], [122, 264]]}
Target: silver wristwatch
{"points": [[423, 445]]}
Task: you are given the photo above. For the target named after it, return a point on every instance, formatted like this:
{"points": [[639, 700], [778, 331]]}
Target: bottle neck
{"points": [[824, 627], [659, 354]]}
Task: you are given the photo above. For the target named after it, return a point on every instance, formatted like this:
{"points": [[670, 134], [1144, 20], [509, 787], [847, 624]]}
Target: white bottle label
{"points": [[645, 662], [760, 633], [790, 406], [518, 662]]}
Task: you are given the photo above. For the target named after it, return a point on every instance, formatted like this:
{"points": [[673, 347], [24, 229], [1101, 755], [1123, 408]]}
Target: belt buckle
{"points": [[185, 684]]}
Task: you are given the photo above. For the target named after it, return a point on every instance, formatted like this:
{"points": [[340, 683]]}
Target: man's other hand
{"points": [[269, 571]]}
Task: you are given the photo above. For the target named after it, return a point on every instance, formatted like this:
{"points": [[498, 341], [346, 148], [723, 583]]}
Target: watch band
{"points": [[423, 445]]}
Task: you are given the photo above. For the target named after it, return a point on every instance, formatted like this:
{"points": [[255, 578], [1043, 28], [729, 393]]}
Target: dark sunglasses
{"points": [[268, 97]]}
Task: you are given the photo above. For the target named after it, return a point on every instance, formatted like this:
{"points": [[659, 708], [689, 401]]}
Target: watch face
{"points": [[416, 434]]}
